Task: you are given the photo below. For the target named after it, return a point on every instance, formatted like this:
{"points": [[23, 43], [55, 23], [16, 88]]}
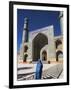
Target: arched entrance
{"points": [[59, 54], [25, 57], [25, 48], [44, 55], [38, 43], [58, 42]]}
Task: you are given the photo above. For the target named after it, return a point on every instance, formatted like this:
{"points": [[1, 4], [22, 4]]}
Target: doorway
{"points": [[59, 54], [44, 55], [38, 43], [25, 57]]}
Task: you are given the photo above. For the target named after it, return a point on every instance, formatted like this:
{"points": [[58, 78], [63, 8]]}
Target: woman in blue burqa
{"points": [[39, 67]]}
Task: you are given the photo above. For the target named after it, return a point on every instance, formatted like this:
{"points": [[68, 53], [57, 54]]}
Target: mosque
{"points": [[41, 44]]}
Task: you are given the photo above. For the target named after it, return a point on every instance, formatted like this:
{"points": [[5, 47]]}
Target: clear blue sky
{"points": [[37, 19]]}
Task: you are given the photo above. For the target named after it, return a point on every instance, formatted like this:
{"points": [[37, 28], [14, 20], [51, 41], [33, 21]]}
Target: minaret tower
{"points": [[25, 37], [25, 40], [61, 21]]}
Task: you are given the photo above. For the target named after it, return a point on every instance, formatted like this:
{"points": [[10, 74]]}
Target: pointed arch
{"points": [[44, 55], [58, 42], [59, 54], [38, 42]]}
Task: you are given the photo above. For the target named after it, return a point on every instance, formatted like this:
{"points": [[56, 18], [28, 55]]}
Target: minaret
{"points": [[25, 40], [25, 31], [61, 21]]}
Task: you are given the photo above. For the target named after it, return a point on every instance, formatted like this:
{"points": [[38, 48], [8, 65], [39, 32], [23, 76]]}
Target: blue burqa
{"points": [[39, 67]]}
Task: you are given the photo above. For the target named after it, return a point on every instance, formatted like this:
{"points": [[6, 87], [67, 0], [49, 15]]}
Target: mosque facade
{"points": [[41, 44]]}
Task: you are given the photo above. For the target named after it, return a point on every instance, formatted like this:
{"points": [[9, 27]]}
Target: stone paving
{"points": [[49, 71]]}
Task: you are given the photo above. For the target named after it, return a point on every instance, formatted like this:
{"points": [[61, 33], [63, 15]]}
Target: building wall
{"points": [[50, 48], [49, 33]]}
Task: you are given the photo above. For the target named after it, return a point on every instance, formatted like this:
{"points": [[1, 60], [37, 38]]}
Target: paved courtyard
{"points": [[27, 71]]}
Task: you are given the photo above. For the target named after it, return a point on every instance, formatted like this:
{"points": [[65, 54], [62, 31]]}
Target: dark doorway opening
{"points": [[25, 48], [44, 55], [58, 42], [59, 54], [25, 57], [38, 43]]}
